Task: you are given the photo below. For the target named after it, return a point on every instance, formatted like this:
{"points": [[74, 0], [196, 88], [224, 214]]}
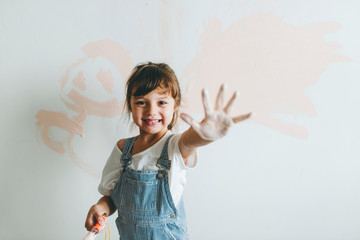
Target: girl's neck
{"points": [[146, 140]]}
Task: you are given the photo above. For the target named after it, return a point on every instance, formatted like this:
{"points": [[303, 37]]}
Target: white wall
{"points": [[291, 172]]}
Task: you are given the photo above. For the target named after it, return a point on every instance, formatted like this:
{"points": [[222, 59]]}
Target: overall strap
{"points": [[164, 161], [126, 152]]}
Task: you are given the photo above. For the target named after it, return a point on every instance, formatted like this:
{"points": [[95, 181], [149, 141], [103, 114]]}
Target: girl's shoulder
{"points": [[120, 144]]}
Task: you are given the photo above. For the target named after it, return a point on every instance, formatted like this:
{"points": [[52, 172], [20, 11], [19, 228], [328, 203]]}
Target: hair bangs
{"points": [[150, 80]]}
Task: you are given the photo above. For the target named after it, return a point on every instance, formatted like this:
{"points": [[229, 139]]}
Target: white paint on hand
{"points": [[217, 121]]}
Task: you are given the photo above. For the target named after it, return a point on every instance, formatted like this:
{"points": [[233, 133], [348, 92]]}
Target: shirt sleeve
{"points": [[174, 152], [111, 172]]}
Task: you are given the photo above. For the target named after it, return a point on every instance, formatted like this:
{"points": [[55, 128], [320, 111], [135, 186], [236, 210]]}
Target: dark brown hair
{"points": [[147, 77]]}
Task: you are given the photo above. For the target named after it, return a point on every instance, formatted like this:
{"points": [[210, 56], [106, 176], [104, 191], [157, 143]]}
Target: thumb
{"points": [[100, 223], [100, 219], [187, 118]]}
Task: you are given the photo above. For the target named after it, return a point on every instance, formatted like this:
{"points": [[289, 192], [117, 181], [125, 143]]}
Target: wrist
{"points": [[106, 206]]}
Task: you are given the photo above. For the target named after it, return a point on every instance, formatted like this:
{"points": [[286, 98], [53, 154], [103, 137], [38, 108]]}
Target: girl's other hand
{"points": [[217, 121], [95, 215]]}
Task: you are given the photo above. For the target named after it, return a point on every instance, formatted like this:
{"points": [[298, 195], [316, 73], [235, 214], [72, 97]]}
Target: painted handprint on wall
{"points": [[269, 61]]}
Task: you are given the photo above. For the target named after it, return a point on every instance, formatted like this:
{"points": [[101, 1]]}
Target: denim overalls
{"points": [[143, 199]]}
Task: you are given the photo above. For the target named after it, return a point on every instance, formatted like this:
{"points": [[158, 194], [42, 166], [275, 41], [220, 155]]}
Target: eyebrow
{"points": [[138, 97], [161, 93]]}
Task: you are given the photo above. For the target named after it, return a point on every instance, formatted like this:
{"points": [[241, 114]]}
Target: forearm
{"points": [[190, 140]]}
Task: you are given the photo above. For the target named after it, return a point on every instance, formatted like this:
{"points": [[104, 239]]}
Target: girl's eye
{"points": [[162, 102], [140, 103]]}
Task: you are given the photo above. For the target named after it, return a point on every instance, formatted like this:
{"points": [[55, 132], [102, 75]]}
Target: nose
{"points": [[152, 109]]}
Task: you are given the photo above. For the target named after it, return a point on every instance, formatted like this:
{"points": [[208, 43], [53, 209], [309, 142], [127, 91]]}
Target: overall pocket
{"points": [[176, 231], [138, 195]]}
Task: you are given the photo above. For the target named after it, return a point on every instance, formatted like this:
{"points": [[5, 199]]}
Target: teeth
{"points": [[152, 121]]}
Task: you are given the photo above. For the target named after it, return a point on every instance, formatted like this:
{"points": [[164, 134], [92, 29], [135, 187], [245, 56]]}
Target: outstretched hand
{"points": [[217, 121]]}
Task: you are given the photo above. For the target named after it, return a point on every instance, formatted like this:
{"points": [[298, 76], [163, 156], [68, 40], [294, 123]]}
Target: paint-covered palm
{"points": [[217, 120]]}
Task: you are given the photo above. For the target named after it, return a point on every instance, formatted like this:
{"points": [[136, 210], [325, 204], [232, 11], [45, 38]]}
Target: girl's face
{"points": [[153, 112]]}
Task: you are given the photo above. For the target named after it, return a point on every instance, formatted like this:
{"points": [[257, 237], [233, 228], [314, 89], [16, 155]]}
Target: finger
{"points": [[93, 229], [189, 120], [219, 103], [90, 222], [229, 105], [100, 220], [206, 101], [241, 118], [96, 217]]}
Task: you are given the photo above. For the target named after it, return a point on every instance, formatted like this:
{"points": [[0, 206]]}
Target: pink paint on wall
{"points": [[86, 106], [82, 106], [106, 79], [269, 61], [113, 52], [79, 81], [66, 76], [47, 119]]}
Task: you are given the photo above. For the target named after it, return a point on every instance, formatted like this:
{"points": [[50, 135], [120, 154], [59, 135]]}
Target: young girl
{"points": [[144, 177]]}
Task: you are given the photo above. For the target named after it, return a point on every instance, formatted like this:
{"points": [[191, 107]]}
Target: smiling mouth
{"points": [[152, 121]]}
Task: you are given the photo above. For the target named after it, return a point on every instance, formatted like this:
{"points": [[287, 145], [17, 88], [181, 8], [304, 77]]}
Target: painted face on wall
{"points": [[91, 97]]}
